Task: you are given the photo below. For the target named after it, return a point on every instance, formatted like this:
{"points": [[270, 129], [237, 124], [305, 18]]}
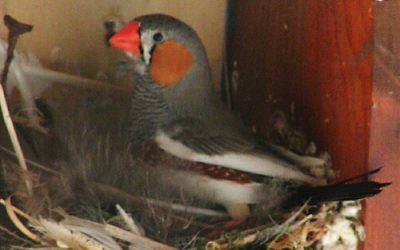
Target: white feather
{"points": [[256, 164], [77, 237], [129, 222], [30, 88]]}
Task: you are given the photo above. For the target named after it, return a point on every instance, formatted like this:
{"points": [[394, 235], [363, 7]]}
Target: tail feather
{"points": [[341, 191], [363, 175]]}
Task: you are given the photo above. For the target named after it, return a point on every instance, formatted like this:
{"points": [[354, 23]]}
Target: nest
{"points": [[67, 209]]}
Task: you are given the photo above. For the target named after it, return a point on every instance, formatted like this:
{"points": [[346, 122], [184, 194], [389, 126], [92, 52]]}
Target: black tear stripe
{"points": [[151, 52], [140, 31], [140, 44], [141, 47], [141, 51]]}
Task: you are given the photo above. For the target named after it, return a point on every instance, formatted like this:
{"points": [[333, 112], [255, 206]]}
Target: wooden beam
{"points": [[314, 54]]}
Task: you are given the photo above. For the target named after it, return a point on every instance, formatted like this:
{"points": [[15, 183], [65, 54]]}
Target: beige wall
{"points": [[76, 26]]}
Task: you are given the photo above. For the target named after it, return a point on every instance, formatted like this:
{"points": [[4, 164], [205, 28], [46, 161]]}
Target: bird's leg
{"points": [[239, 211], [239, 214]]}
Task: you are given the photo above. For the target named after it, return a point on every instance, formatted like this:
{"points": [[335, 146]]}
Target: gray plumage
{"points": [[190, 111]]}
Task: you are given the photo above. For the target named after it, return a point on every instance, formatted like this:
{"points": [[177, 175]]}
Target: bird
{"points": [[175, 111]]}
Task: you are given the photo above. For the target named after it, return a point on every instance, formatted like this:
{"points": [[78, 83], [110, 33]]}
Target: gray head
{"points": [[174, 78], [165, 48]]}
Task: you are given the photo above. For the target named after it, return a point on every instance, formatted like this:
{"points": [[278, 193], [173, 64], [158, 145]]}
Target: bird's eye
{"points": [[158, 37]]}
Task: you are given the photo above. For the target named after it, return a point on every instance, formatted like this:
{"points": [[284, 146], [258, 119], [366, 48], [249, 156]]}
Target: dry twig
{"points": [[15, 30]]}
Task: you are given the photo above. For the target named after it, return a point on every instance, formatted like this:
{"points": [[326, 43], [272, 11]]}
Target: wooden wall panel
{"points": [[77, 27], [313, 55], [382, 218]]}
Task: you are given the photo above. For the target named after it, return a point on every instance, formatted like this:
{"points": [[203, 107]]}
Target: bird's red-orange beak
{"points": [[127, 38]]}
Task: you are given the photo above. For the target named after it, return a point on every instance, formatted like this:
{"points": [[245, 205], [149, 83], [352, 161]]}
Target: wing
{"points": [[214, 141], [191, 140], [206, 139]]}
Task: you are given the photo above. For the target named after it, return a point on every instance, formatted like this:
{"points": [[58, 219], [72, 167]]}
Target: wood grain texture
{"points": [[381, 218], [337, 77], [77, 27], [316, 55]]}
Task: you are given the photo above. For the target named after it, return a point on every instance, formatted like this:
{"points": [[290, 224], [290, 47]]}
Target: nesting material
{"points": [[334, 226]]}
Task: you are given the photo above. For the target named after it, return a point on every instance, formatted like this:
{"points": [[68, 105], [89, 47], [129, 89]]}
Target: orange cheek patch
{"points": [[170, 62]]}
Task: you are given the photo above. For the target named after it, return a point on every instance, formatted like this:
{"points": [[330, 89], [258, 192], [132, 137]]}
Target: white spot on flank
{"points": [[257, 164], [220, 191]]}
